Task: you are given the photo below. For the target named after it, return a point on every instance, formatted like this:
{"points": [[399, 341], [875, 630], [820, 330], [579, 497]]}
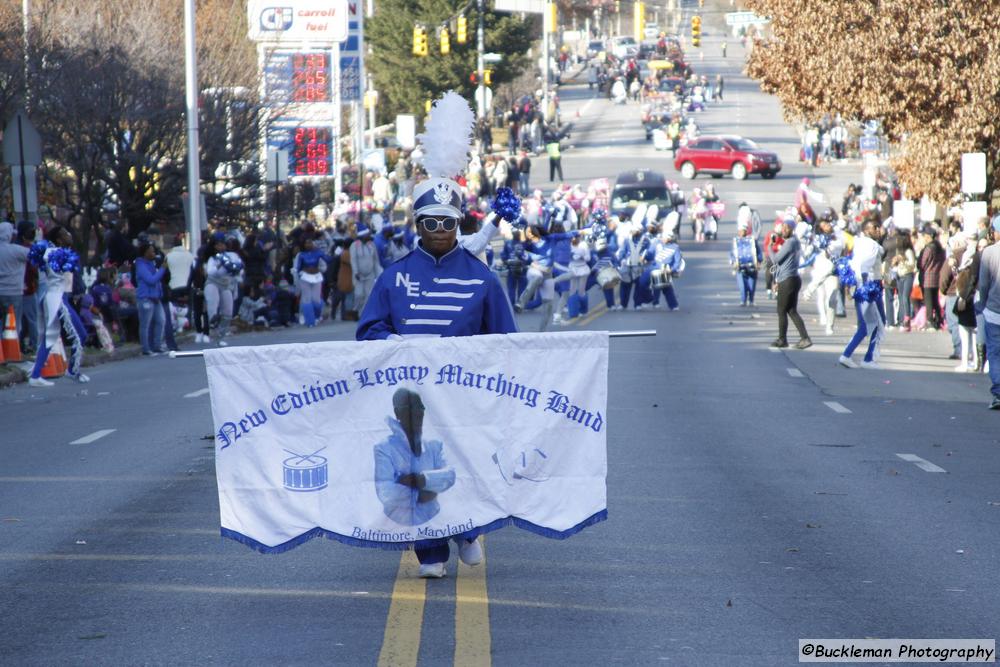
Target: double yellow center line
{"points": [[401, 641]]}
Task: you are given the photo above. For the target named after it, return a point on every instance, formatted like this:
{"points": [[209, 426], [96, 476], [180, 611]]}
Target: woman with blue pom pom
{"points": [[865, 271], [56, 262]]}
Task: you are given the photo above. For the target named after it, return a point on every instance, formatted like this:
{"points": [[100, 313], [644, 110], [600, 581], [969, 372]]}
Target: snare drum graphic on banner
{"points": [[305, 472]]}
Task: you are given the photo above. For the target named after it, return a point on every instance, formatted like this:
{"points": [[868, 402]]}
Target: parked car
{"points": [[728, 154], [595, 48], [624, 47], [640, 186]]}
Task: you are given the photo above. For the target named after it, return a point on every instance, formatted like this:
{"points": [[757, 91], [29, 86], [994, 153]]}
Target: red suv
{"points": [[726, 155]]}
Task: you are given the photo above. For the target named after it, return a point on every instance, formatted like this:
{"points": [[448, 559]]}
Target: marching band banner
{"points": [[393, 444]]}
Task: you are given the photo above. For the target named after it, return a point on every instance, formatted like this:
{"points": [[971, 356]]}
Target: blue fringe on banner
{"points": [[419, 544]]}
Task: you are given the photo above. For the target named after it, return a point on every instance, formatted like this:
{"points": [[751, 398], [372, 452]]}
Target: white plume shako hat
{"points": [[446, 144]]}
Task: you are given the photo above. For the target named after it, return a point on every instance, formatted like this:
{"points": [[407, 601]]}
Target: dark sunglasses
{"points": [[433, 223]]}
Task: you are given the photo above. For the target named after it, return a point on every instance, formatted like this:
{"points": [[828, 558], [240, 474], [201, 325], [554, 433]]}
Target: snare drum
{"points": [[660, 279], [608, 278]]}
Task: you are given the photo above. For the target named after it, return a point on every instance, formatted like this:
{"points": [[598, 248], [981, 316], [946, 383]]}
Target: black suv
{"points": [[640, 186]]}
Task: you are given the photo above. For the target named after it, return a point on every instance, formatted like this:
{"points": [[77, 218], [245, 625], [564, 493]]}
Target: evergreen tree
{"points": [[405, 81]]}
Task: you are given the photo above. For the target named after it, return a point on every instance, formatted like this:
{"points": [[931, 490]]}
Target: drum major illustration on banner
{"points": [[393, 444]]}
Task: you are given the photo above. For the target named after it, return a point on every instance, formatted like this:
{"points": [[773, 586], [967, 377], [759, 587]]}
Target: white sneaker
{"points": [[829, 330], [557, 319], [616, 307], [870, 365], [223, 343], [81, 378], [846, 362], [962, 369], [432, 571], [39, 382], [471, 553]]}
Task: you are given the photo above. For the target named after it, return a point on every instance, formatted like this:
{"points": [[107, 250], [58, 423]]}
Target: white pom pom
{"points": [[448, 137]]}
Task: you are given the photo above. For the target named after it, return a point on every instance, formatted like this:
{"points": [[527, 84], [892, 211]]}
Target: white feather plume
{"points": [[448, 137]]}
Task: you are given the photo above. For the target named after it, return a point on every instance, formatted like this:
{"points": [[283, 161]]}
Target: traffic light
{"points": [[696, 31], [444, 41], [462, 33], [474, 78], [488, 77], [419, 41]]}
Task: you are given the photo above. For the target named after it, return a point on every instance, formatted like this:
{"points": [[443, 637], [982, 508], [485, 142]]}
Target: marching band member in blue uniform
{"points": [[631, 258], [439, 289], [667, 257], [308, 269], [604, 242], [516, 259]]}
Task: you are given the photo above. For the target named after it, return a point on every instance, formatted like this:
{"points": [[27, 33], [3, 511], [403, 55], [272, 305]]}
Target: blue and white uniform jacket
{"points": [[456, 295], [667, 256]]}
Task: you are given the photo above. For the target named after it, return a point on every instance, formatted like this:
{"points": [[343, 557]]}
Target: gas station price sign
{"points": [[312, 152], [298, 77]]}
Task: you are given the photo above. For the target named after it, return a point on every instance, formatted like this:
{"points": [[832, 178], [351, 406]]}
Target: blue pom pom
{"points": [[845, 273], [507, 205], [36, 254], [599, 216], [64, 260], [869, 292], [232, 266]]}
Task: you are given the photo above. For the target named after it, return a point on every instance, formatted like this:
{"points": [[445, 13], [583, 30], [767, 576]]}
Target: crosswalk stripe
{"points": [[96, 435], [923, 464]]}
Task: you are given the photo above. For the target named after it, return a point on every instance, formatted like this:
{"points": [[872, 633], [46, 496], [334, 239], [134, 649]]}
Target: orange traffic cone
{"points": [[10, 345], [55, 365]]}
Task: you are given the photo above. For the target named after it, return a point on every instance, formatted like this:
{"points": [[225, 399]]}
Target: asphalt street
{"points": [[755, 497]]}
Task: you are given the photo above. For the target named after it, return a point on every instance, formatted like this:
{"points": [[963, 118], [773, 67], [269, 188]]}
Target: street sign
{"points": [[744, 18], [526, 6], [903, 212], [974, 173], [21, 142], [186, 202], [972, 213], [277, 166], [22, 150], [29, 190], [406, 130], [869, 144], [308, 21]]}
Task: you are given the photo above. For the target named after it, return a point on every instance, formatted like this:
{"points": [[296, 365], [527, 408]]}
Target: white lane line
{"points": [[196, 394], [837, 407], [923, 464], [96, 435], [795, 372]]}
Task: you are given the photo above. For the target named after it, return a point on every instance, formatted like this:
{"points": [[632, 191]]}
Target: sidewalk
{"points": [[914, 366]]}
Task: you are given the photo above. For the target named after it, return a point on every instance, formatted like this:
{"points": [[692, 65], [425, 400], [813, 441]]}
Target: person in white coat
{"points": [[366, 266]]}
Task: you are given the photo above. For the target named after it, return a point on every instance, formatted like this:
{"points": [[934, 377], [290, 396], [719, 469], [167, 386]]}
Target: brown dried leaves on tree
{"points": [[928, 69]]}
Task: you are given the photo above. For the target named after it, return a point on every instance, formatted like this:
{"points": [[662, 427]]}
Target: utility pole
{"points": [[480, 69], [26, 20], [547, 27], [193, 152]]}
